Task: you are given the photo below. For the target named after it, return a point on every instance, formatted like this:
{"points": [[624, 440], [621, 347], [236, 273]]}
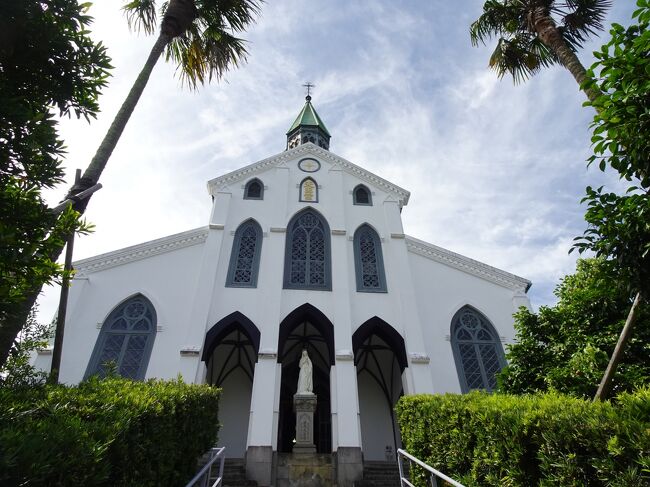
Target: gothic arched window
{"points": [[254, 190], [125, 340], [245, 255], [361, 196], [307, 262], [309, 191], [368, 261], [477, 350]]}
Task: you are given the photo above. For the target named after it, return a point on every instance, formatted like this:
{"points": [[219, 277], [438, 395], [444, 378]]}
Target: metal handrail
{"points": [[435, 474], [202, 479]]}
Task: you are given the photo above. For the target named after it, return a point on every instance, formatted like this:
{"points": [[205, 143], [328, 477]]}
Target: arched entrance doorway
{"points": [[230, 354], [305, 328], [380, 358]]}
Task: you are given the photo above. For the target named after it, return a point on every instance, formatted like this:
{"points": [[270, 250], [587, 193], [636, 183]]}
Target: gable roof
{"points": [[465, 264], [246, 172], [140, 251]]}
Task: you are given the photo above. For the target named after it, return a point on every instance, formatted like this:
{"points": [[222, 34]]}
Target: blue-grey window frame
{"points": [[247, 186], [93, 364], [354, 195], [300, 190], [327, 286], [236, 243], [458, 360], [381, 274]]}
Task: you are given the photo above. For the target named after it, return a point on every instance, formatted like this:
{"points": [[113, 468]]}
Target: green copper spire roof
{"points": [[309, 118]]}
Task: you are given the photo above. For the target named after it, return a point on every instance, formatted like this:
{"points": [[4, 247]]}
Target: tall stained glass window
{"points": [[307, 254], [245, 255], [477, 350], [125, 340], [368, 261]]}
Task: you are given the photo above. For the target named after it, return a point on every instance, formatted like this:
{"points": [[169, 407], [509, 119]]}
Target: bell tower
{"points": [[308, 127]]}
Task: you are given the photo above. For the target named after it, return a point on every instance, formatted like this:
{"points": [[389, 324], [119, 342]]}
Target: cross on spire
{"points": [[309, 85]]}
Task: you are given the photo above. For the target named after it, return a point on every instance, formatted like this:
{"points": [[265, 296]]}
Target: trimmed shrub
{"points": [[532, 440], [113, 432]]}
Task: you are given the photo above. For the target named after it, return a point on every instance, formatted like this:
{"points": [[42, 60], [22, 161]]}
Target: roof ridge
{"points": [[467, 264]]}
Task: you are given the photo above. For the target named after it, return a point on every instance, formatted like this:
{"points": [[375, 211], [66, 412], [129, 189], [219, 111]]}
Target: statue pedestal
{"points": [[304, 405]]}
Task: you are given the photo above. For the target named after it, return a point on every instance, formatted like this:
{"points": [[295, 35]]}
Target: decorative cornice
{"points": [[214, 185], [141, 251], [419, 358], [465, 264], [194, 351], [344, 355], [267, 354]]}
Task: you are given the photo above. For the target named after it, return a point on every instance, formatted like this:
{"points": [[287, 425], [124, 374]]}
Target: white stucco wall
{"points": [[441, 292], [234, 413], [167, 280], [376, 428]]}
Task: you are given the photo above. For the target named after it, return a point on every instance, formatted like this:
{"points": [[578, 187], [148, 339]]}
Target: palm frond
{"points": [[521, 56], [232, 15], [582, 19], [141, 15], [500, 17], [545, 56], [203, 54]]}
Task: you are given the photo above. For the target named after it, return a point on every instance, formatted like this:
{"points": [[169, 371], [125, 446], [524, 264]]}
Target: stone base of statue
{"points": [[304, 405]]}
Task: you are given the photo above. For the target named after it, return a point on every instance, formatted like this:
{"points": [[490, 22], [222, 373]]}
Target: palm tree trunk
{"points": [[98, 163], [605, 387], [552, 38], [12, 325]]}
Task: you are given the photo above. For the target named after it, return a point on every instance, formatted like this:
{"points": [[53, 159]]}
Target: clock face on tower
{"points": [[308, 165]]}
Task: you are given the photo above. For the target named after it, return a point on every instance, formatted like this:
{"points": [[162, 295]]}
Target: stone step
{"points": [[372, 483], [239, 483], [379, 474]]}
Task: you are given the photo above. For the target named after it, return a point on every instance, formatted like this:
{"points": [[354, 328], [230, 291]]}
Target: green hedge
{"points": [[111, 432], [533, 440]]}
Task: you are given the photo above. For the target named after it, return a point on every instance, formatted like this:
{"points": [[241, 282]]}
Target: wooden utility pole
{"points": [[65, 285], [605, 387]]}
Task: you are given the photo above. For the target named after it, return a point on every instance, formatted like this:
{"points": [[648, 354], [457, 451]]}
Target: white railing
{"points": [[434, 475], [205, 477]]}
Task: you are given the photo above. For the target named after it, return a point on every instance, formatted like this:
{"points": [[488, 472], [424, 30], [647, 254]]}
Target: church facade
{"points": [[303, 251]]}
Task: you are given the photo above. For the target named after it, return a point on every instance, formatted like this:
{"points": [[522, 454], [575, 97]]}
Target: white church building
{"points": [[303, 250]]}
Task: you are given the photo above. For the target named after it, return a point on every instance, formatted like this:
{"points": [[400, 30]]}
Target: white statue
{"points": [[305, 381]]}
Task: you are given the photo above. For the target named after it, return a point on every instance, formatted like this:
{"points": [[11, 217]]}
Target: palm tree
{"points": [[198, 35], [537, 33]]}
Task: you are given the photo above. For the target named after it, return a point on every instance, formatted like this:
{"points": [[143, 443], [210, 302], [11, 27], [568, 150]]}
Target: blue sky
{"points": [[496, 171]]}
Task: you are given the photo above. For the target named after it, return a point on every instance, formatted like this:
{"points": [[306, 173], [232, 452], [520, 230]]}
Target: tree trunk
{"points": [[605, 387], [552, 38], [13, 324], [94, 170]]}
